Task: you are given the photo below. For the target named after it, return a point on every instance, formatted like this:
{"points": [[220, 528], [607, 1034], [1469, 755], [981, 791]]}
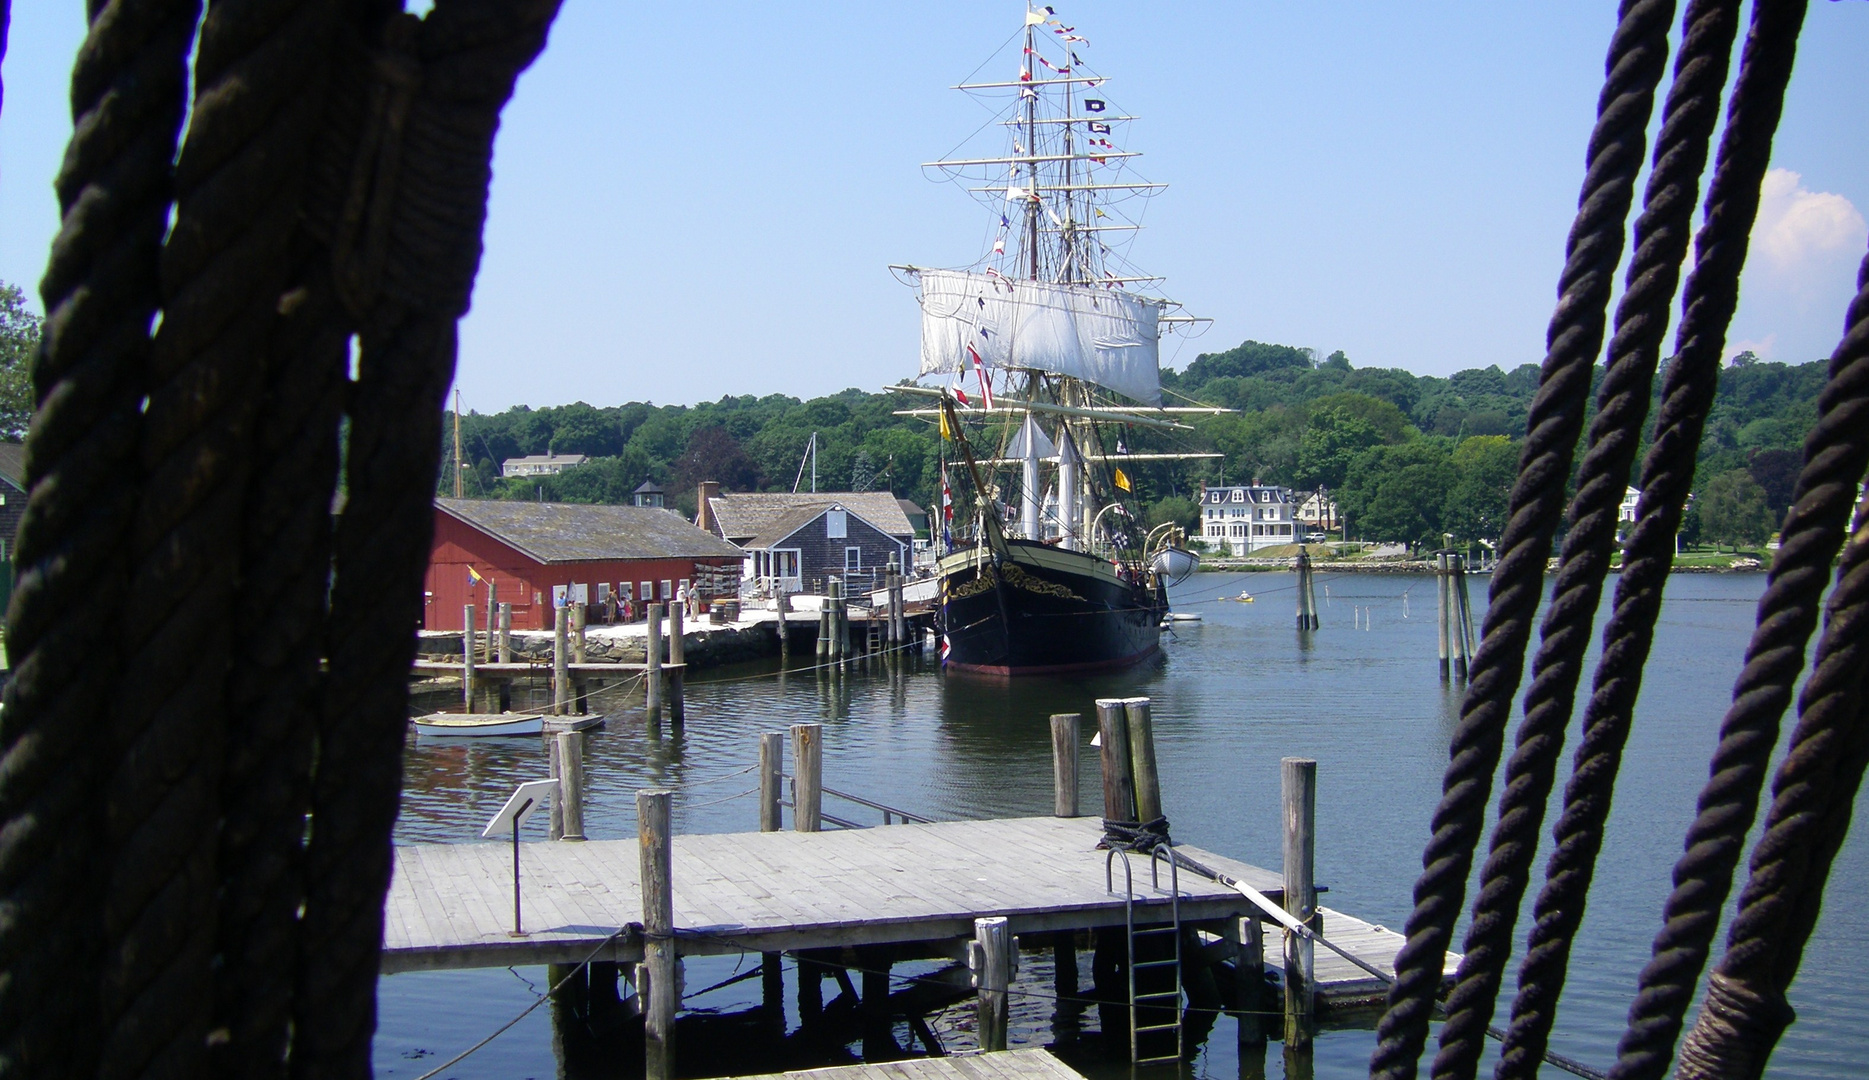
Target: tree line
{"points": [[1406, 457]]}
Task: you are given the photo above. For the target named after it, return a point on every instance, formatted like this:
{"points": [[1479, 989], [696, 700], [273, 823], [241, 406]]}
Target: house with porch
{"points": [[795, 542], [1244, 519]]}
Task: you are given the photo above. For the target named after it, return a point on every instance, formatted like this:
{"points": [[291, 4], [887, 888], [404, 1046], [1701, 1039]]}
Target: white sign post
{"points": [[524, 800]]}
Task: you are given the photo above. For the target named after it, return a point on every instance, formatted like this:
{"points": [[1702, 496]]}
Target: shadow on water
{"points": [[1231, 695]]}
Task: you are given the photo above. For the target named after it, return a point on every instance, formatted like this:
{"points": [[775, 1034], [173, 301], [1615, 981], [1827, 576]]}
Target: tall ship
{"points": [[1047, 351]]}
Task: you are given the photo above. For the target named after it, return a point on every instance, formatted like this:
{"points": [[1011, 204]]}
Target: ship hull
{"points": [[1041, 610]]}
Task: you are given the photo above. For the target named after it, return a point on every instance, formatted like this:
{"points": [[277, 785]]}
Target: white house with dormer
{"points": [[1245, 519]]}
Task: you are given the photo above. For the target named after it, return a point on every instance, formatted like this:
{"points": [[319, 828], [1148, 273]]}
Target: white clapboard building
{"points": [[1245, 519]]}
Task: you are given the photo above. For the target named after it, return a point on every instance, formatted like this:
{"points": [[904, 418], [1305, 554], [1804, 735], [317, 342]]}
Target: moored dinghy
{"points": [[453, 725]]}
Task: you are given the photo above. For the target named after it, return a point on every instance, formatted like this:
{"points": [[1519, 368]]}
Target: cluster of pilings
{"points": [[1455, 638]]}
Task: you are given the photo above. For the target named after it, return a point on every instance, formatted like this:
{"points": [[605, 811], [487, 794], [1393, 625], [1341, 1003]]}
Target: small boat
{"points": [[1244, 597], [1182, 616], [452, 725]]}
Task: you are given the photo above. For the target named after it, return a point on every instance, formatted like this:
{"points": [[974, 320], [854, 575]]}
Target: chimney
{"points": [[703, 511]]}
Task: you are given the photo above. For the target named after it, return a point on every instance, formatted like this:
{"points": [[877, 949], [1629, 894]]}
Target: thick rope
{"points": [[128, 95], [1637, 57], [1687, 396], [408, 245], [1787, 612], [223, 271], [261, 76], [1815, 787], [1662, 233]]}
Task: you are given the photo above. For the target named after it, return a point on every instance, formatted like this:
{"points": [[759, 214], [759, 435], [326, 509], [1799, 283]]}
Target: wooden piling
{"points": [[1443, 594], [656, 974], [1463, 613], [677, 706], [1142, 759], [1457, 610], [1248, 935], [807, 777], [1298, 797], [824, 627], [1119, 786], [1064, 963], [554, 768], [561, 671], [771, 780], [468, 648], [784, 606], [1304, 589], [571, 783], [1064, 750], [579, 650], [652, 666], [493, 614], [878, 1037], [506, 633], [992, 953]]}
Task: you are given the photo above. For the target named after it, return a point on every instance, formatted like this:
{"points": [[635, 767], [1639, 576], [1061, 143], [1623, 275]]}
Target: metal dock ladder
{"points": [[1165, 995]]}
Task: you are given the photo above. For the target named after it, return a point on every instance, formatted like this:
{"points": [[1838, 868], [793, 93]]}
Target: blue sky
{"points": [[691, 200]]}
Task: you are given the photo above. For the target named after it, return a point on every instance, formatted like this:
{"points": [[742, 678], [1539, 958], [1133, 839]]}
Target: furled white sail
{"points": [[1103, 336]]}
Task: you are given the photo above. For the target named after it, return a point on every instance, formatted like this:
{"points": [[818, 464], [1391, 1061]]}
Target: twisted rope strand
{"points": [[223, 270], [1662, 233], [407, 244], [1688, 391], [1787, 611], [1637, 57], [261, 72], [100, 290], [1815, 786]]}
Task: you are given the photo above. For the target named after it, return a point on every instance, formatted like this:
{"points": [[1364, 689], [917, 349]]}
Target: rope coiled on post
{"points": [[1637, 58], [1787, 612], [1662, 232], [1816, 783], [128, 96], [407, 246]]}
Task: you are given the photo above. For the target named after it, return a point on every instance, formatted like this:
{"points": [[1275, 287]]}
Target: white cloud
{"points": [[1801, 231]]}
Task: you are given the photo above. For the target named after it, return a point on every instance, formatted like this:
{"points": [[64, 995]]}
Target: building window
{"points": [[668, 589], [853, 558], [836, 524], [1239, 495]]}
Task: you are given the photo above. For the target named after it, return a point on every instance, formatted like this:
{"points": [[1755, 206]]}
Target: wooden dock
{"points": [[451, 905], [1032, 1064]]}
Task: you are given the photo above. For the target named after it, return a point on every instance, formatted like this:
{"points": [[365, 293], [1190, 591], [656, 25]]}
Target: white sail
{"points": [[1102, 336]]}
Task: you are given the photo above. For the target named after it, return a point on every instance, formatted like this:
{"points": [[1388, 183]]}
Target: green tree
{"points": [[1484, 468], [19, 341], [1399, 493], [1733, 510], [1331, 440], [1178, 509]]}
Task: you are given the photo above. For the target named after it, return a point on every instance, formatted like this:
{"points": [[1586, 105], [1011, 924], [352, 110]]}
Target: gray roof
{"points": [[571, 532], [13, 464], [759, 518]]}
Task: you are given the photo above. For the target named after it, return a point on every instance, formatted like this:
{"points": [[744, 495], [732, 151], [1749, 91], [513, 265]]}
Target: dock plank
{"points": [[450, 905]]}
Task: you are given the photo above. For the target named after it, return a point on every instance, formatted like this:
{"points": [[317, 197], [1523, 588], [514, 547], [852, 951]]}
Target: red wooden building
{"points": [[527, 550]]}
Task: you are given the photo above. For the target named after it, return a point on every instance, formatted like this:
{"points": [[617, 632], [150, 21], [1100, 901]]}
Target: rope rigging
{"points": [[1661, 234], [1637, 56]]}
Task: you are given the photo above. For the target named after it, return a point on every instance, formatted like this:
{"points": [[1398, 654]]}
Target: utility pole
{"points": [[457, 442]]}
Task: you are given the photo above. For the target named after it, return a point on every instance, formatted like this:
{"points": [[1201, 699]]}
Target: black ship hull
{"points": [[1039, 610]]}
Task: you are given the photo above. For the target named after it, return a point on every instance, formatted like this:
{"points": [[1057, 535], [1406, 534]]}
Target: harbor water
{"points": [[1233, 694]]}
